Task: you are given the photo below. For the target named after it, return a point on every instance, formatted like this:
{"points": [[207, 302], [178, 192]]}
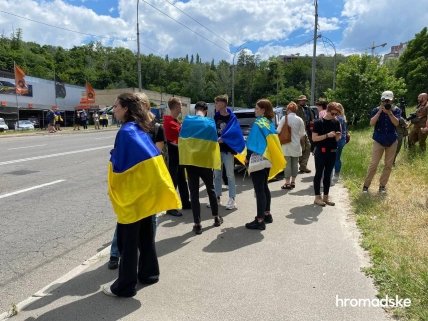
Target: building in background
{"points": [[396, 51]]}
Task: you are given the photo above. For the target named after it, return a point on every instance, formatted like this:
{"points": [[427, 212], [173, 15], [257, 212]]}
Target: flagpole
{"points": [[16, 94]]}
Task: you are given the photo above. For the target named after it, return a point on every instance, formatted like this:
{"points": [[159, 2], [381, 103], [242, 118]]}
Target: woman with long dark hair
{"points": [[137, 171]]}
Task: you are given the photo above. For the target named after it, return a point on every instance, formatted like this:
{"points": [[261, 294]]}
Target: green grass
{"points": [[394, 227]]}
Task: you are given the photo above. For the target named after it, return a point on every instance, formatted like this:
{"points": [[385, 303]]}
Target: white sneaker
{"points": [[107, 290], [231, 204]]}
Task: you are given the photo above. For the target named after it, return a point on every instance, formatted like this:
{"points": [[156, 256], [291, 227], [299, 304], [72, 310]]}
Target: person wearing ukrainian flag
{"points": [[232, 144], [199, 153], [139, 185], [263, 140]]}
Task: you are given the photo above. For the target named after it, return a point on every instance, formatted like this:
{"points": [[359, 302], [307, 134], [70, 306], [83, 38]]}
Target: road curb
{"points": [[15, 309]]}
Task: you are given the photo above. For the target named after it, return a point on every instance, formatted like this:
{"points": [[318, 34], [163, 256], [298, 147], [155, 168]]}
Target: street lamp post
{"points": [[334, 60], [138, 51], [233, 70]]}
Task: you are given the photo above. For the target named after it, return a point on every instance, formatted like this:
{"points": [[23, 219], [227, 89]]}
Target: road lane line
{"points": [[53, 155], [30, 188], [26, 147]]}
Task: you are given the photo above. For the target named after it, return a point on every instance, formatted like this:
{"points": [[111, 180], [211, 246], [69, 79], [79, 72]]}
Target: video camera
{"points": [[411, 117]]}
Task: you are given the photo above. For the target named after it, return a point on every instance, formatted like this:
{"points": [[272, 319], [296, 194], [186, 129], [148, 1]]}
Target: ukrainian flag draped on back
{"points": [[263, 140], [197, 143], [232, 137], [139, 184]]}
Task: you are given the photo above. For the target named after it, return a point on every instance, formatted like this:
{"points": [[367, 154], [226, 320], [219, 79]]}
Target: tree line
{"points": [[360, 78]]}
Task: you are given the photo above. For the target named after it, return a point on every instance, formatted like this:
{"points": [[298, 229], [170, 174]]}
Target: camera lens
{"points": [[388, 106]]}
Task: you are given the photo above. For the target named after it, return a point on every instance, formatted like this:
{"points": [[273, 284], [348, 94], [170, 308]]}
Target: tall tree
{"points": [[413, 65]]}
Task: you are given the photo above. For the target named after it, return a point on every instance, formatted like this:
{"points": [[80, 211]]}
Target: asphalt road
{"points": [[60, 214]]}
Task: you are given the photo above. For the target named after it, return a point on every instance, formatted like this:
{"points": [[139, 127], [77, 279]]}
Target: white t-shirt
{"points": [[293, 149]]}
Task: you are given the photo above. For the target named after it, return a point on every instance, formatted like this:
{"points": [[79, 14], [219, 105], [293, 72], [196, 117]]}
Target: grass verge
{"points": [[395, 226]]}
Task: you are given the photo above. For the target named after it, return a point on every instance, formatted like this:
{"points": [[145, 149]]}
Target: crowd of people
{"points": [[150, 158]]}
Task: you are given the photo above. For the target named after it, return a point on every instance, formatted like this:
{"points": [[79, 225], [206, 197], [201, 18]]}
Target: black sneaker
{"points": [[256, 225], [382, 189], [197, 228], [218, 220], [113, 264], [268, 218], [149, 280], [174, 213], [365, 189]]}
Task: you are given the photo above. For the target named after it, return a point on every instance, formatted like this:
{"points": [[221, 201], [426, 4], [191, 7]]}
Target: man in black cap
{"points": [[304, 112]]}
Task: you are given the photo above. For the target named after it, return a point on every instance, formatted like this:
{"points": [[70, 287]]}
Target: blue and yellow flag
{"points": [[197, 143], [139, 184], [263, 140], [232, 136]]}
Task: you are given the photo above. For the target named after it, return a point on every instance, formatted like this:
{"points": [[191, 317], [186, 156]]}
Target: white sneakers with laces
{"points": [[231, 204]]}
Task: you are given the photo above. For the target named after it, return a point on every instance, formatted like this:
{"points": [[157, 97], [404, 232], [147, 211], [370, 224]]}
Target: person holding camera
{"points": [[417, 135], [385, 119]]}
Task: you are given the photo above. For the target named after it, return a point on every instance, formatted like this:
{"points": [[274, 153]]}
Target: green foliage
{"points": [[413, 65], [360, 82], [106, 67]]}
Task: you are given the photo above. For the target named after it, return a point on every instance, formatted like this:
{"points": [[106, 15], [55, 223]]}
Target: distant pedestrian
{"points": [[385, 119], [51, 121], [103, 119], [76, 120], [322, 107], [326, 134], [96, 118], [84, 119]]}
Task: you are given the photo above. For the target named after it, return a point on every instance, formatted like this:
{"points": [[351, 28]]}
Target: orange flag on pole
{"points": [[20, 84], [88, 96]]}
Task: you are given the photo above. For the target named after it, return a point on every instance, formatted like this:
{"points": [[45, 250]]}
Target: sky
{"points": [[218, 29]]}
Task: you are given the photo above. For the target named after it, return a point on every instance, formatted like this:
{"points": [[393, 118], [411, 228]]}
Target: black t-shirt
{"points": [[221, 122], [323, 126]]}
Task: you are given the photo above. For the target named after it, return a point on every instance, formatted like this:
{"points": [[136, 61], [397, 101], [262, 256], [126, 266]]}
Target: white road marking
{"points": [[31, 188], [54, 155], [26, 147]]}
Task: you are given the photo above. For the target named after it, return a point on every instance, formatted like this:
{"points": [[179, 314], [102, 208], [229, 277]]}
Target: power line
{"points": [[185, 26], [74, 31], [205, 27]]}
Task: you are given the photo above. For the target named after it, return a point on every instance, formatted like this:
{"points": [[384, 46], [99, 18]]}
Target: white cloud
{"points": [[391, 21], [273, 24]]}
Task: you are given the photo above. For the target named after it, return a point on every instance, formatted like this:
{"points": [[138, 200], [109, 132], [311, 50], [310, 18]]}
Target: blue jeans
{"points": [[114, 250], [338, 164], [227, 160]]}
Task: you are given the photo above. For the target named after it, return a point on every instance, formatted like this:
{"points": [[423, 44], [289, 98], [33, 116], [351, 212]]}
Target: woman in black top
{"points": [[325, 135]]}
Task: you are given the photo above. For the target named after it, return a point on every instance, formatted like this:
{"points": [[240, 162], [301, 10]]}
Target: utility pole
{"points": [[140, 86], [314, 56]]}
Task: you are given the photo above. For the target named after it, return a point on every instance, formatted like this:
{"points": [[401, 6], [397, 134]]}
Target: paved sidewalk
{"points": [[294, 270]]}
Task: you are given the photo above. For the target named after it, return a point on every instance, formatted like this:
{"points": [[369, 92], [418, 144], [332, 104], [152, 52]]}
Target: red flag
{"points": [[20, 84]]}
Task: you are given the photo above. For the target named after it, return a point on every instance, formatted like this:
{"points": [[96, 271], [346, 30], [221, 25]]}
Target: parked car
{"points": [[246, 118], [3, 125], [24, 125], [35, 122]]}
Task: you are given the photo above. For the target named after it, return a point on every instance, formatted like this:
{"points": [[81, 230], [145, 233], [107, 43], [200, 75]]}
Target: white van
{"points": [[3, 125]]}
